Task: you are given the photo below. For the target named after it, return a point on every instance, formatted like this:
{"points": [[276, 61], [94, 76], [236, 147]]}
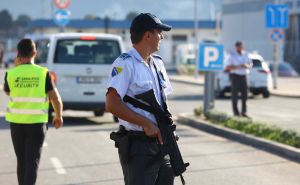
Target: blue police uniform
{"points": [[131, 75]]}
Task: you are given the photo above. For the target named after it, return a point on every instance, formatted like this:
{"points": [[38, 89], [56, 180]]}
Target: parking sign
{"points": [[211, 57], [277, 15]]}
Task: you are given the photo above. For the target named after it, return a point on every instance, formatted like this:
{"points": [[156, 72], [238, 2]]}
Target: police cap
{"points": [[147, 21]]}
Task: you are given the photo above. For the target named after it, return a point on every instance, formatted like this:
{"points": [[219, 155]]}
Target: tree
{"points": [[131, 15], [6, 20], [91, 17], [22, 20]]}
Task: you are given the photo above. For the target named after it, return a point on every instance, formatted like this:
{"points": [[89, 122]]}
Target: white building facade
{"points": [[182, 32], [244, 20]]}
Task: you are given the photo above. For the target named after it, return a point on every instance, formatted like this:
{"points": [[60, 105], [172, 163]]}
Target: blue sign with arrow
{"points": [[277, 15]]}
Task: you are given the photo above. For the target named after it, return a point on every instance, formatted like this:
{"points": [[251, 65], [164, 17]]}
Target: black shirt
{"points": [[48, 87]]}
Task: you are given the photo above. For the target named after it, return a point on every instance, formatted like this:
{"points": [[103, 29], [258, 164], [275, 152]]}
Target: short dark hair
{"points": [[26, 48], [136, 37], [238, 43]]}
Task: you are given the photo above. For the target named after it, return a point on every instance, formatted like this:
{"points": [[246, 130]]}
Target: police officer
{"points": [[133, 73], [28, 87], [238, 66]]}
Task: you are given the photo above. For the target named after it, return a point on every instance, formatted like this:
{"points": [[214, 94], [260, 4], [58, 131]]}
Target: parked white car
{"points": [[80, 64], [259, 79]]}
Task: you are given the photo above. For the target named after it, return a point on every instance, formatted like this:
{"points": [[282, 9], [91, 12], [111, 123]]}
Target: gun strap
{"points": [[137, 103], [164, 104]]}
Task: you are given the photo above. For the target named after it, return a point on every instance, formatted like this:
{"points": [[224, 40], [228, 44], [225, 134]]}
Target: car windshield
{"points": [[256, 63], [190, 61], [77, 51]]}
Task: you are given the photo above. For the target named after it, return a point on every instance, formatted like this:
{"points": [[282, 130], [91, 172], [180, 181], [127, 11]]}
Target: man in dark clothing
{"points": [[238, 65]]}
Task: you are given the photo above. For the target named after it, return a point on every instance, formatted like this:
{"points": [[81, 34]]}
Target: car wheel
{"points": [[116, 119], [266, 94], [98, 113]]}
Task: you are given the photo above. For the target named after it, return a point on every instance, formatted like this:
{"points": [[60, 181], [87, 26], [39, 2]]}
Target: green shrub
{"points": [[271, 132], [198, 111]]}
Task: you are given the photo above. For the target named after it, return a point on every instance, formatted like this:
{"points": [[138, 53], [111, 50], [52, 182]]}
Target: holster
{"points": [[122, 142], [124, 139]]}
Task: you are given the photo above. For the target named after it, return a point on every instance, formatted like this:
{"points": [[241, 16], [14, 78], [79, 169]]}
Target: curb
{"points": [[284, 95], [279, 149], [202, 84], [186, 81]]}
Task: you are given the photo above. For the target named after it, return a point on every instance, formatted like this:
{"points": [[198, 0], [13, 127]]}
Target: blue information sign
{"points": [[62, 17], [277, 15], [211, 57]]}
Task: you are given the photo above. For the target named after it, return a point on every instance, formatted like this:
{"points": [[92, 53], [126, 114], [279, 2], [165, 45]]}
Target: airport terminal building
{"points": [[182, 32]]}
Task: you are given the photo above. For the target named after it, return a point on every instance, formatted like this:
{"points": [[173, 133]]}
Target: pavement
{"points": [[2, 73], [286, 87], [282, 150]]}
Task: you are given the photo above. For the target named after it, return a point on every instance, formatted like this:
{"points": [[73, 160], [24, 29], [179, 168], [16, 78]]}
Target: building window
{"points": [[290, 4], [298, 3], [182, 38]]}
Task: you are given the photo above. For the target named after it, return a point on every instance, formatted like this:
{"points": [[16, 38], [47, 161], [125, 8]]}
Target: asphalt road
{"points": [[274, 110], [280, 111], [81, 152]]}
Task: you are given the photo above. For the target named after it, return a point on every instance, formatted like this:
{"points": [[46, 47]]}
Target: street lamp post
{"points": [[196, 36]]}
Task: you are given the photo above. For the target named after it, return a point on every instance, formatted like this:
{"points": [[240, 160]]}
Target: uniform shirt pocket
{"points": [[143, 86]]}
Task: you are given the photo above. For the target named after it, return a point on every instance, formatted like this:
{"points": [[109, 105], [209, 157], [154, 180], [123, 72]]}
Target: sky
{"points": [[115, 9]]}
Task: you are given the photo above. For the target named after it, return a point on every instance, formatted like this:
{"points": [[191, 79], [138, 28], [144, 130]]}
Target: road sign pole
{"points": [[61, 29], [277, 17], [196, 36], [210, 59], [275, 66], [212, 90], [208, 91]]}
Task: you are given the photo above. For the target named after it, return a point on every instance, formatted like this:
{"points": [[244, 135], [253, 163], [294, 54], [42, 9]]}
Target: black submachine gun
{"points": [[148, 102]]}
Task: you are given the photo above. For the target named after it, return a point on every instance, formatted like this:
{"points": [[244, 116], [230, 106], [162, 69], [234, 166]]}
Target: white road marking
{"points": [[58, 166]]}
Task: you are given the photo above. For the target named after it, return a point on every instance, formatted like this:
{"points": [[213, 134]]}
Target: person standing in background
{"points": [[238, 65]]}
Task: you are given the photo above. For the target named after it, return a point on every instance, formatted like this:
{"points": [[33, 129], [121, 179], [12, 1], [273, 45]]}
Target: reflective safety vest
{"points": [[28, 101]]}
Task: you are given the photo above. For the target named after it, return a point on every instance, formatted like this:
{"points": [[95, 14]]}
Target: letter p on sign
{"points": [[210, 57]]}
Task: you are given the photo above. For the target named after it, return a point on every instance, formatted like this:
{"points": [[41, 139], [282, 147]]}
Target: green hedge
{"points": [[259, 129]]}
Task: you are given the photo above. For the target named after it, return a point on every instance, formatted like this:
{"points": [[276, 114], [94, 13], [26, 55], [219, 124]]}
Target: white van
{"points": [[80, 64]]}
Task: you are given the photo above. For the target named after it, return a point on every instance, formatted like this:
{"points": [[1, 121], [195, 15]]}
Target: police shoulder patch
{"points": [[116, 70], [124, 56], [157, 56]]}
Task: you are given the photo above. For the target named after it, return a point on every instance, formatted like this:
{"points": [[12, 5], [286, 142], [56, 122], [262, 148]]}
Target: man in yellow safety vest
{"points": [[29, 88]]}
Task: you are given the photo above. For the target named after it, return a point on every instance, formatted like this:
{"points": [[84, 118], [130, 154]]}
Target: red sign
{"points": [[62, 4]]}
